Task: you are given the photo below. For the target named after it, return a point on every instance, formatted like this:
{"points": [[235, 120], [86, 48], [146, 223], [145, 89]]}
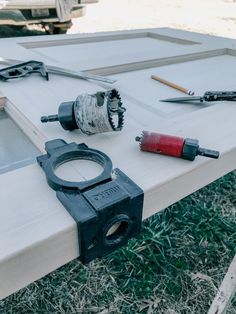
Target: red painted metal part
{"points": [[162, 144]]}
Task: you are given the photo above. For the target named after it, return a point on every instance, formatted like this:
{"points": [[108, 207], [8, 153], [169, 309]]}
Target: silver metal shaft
{"points": [[65, 72]]}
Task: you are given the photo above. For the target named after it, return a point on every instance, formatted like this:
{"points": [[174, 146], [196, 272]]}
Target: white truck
{"points": [[54, 15]]}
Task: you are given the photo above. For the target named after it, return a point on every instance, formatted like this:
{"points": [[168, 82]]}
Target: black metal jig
{"points": [[107, 209]]}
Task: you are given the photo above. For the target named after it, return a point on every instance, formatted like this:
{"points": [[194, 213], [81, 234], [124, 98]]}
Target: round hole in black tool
{"points": [[117, 229], [77, 170], [81, 153]]}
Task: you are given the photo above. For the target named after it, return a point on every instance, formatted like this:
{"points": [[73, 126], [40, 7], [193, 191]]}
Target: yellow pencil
{"points": [[179, 88]]}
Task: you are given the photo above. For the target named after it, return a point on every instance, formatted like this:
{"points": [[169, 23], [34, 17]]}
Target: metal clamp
{"points": [[107, 209], [23, 69]]}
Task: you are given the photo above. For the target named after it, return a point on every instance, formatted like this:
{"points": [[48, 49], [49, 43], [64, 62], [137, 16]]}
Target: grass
{"points": [[174, 266]]}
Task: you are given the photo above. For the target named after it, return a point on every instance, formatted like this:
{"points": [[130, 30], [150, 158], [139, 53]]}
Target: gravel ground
{"points": [[216, 17]]}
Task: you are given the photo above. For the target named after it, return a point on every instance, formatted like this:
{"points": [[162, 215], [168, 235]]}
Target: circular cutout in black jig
{"points": [[63, 153]]}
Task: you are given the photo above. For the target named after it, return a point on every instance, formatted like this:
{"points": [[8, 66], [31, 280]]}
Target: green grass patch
{"points": [[174, 266]]}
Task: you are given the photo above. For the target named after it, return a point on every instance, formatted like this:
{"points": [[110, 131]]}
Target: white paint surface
{"points": [[37, 235]]}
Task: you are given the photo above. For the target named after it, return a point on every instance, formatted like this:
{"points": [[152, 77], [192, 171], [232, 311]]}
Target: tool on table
{"points": [[185, 148], [96, 113], [173, 85], [66, 72], [207, 96], [23, 69], [107, 209]]}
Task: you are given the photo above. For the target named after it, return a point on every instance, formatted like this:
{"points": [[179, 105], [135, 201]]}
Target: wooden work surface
{"points": [[37, 235]]}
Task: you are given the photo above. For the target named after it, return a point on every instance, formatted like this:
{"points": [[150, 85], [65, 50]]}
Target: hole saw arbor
{"points": [[37, 235]]}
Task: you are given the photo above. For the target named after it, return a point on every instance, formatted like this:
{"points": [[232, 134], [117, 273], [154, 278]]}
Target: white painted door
{"points": [[37, 233]]}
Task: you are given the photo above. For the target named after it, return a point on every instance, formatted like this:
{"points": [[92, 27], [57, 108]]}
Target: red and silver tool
{"points": [[169, 145]]}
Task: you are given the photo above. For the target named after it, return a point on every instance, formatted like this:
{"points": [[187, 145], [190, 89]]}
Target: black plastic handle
{"points": [[219, 95]]}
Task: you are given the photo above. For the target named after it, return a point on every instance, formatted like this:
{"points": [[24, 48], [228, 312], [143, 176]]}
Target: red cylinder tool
{"points": [[185, 148]]}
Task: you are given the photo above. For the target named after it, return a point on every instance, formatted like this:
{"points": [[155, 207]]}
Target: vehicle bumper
{"points": [[19, 18], [38, 4]]}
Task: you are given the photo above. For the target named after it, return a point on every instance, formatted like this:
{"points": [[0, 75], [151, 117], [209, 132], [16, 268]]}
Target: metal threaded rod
{"points": [[51, 118], [208, 152]]}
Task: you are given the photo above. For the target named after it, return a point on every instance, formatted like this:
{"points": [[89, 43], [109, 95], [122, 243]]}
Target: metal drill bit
{"points": [[208, 153]]}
